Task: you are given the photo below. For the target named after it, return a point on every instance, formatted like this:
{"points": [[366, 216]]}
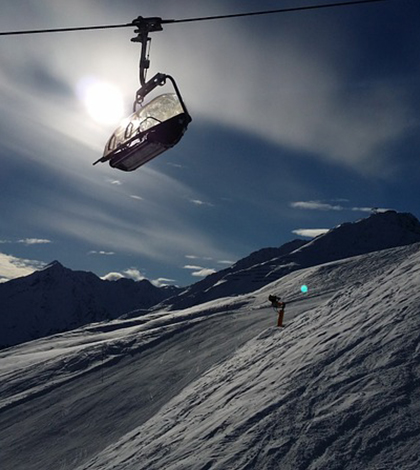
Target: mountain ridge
{"points": [[56, 299], [377, 232]]}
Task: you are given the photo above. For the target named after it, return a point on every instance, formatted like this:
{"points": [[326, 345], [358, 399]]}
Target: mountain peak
{"points": [[54, 264], [377, 232], [54, 268], [404, 220]]}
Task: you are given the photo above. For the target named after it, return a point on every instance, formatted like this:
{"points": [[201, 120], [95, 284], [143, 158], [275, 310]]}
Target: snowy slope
{"points": [[57, 299], [377, 232], [217, 386], [339, 388]]}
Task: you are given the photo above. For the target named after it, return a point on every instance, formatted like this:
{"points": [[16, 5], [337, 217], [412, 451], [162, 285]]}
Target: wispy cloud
{"points": [[29, 241], [203, 272], [316, 205], [130, 273], [115, 226], [199, 271], [326, 206], [199, 202], [192, 266], [101, 252], [12, 267], [136, 275], [315, 105], [163, 282], [225, 261], [310, 232], [34, 241], [205, 258], [113, 276], [175, 165], [370, 209]]}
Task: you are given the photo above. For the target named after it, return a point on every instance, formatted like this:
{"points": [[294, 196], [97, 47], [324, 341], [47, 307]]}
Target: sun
{"points": [[103, 101]]}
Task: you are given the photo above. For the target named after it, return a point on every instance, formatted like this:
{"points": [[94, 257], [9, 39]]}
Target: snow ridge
{"points": [[338, 388]]}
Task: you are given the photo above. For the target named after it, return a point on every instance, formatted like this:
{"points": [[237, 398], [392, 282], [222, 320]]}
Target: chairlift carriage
{"points": [[154, 127]]}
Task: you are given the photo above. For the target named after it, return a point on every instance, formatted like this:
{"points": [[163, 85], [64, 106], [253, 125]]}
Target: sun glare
{"points": [[103, 101]]}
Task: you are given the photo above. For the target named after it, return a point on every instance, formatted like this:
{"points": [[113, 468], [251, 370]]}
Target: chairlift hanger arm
{"points": [[147, 87], [158, 80], [144, 27]]}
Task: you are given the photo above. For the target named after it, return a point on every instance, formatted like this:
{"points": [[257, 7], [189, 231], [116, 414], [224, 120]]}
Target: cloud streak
{"points": [[12, 267], [199, 271], [310, 232], [129, 273], [310, 100], [315, 205], [203, 272], [136, 275], [163, 282], [29, 241], [34, 241], [325, 206], [199, 202]]}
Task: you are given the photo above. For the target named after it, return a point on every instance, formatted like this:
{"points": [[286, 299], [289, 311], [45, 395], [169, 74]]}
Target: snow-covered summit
{"points": [[377, 232]]}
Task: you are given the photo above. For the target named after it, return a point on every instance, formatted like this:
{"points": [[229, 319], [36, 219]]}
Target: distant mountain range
{"points": [[57, 299]]}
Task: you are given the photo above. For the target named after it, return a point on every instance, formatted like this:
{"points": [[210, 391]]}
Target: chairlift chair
{"points": [[148, 132], [156, 126]]}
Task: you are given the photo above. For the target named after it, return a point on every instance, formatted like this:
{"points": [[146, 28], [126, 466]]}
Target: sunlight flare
{"points": [[103, 101]]}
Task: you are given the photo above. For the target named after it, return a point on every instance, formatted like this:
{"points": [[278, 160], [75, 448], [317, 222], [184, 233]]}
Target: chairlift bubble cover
{"points": [[148, 132]]}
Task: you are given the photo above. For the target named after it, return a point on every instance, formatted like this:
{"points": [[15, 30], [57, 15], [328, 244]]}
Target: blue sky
{"points": [[301, 121]]}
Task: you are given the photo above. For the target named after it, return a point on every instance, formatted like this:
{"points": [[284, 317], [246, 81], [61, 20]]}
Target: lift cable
{"points": [[270, 12], [190, 20]]}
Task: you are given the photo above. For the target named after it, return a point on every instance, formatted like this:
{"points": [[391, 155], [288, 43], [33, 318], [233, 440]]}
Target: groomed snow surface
{"points": [[219, 386]]}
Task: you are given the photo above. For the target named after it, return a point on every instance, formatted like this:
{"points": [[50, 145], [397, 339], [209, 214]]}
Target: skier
{"points": [[279, 306]]}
